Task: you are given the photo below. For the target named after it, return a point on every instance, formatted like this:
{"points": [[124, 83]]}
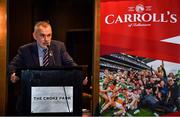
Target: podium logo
{"points": [[141, 15]]}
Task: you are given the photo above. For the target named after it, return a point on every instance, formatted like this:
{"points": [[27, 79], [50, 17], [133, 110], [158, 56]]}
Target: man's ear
{"points": [[34, 35]]}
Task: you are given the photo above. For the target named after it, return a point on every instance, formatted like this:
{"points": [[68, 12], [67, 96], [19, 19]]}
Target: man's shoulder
{"points": [[56, 43], [29, 45]]}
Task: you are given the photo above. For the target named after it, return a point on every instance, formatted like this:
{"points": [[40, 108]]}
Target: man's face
{"points": [[43, 36]]}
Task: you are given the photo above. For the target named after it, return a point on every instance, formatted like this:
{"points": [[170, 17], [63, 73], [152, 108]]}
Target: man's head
{"points": [[170, 81], [42, 33]]}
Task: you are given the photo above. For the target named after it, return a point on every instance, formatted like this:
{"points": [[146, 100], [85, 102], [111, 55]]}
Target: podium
{"points": [[51, 91]]}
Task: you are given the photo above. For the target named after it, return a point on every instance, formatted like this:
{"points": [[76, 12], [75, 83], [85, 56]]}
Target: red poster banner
{"points": [[139, 58], [143, 28]]}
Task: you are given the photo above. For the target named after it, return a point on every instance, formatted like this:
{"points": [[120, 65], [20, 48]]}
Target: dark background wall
{"points": [[71, 20], [64, 16]]}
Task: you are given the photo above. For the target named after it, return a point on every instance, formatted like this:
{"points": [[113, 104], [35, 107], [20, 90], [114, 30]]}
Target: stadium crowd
{"points": [[125, 90]]}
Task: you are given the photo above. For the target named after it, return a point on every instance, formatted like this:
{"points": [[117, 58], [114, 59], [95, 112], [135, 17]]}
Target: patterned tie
{"points": [[45, 58]]}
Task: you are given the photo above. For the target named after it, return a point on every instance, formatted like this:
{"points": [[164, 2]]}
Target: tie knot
{"points": [[45, 50]]}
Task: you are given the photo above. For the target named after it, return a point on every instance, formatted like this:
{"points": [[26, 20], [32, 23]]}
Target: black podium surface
{"points": [[43, 89]]}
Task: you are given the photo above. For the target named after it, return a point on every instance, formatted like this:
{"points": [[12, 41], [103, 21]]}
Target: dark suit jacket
{"points": [[27, 56]]}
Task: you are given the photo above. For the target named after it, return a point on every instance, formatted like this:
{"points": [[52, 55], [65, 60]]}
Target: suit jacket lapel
{"points": [[35, 54]]}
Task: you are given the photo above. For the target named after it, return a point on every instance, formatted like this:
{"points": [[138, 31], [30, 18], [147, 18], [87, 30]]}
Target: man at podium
{"points": [[44, 52]]}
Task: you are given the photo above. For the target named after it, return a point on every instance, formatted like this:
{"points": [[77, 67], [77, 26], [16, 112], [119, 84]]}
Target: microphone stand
{"points": [[50, 53]]}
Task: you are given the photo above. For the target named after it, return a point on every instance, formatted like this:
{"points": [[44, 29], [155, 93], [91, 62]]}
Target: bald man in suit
{"points": [[31, 55]]}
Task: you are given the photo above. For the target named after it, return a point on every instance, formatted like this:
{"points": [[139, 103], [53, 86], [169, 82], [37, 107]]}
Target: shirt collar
{"points": [[40, 48]]}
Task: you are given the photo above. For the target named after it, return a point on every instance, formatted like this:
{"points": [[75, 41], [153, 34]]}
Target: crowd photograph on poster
{"points": [[131, 85]]}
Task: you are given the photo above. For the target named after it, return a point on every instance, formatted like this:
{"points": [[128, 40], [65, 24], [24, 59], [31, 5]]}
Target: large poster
{"points": [[140, 57]]}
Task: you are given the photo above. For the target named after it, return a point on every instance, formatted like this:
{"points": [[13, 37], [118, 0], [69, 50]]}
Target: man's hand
{"points": [[14, 78], [85, 81]]}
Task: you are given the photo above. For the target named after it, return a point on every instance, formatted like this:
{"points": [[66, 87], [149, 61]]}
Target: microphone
{"points": [[51, 54], [48, 46], [49, 50]]}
